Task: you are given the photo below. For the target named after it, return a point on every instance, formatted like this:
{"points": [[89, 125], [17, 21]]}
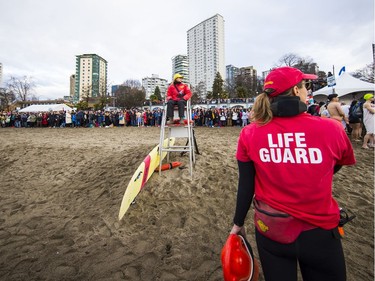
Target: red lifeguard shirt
{"points": [[294, 159]]}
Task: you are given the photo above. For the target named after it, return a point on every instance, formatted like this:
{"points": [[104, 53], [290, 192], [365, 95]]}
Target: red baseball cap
{"points": [[283, 78]]}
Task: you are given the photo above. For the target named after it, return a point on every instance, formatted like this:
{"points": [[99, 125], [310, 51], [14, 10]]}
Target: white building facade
{"points": [[206, 53], [150, 83], [90, 77]]}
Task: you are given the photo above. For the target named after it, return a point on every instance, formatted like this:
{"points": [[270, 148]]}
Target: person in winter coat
{"points": [[178, 94]]}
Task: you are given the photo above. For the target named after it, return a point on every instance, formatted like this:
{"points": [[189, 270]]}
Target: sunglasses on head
{"points": [[308, 84]]}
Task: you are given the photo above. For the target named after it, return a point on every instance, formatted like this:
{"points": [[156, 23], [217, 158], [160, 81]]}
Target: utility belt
{"points": [[276, 225], [284, 228]]}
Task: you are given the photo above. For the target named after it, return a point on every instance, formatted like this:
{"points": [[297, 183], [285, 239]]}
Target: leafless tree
{"points": [[129, 97], [21, 87], [290, 59], [305, 64], [133, 84], [366, 73], [230, 87], [198, 92]]}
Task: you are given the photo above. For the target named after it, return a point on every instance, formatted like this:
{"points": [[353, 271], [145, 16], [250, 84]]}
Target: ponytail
{"points": [[262, 113]]}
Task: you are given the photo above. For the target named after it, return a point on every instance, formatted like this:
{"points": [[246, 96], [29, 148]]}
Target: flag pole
{"points": [[333, 87]]}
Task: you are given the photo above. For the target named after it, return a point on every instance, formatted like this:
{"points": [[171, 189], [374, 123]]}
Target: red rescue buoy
{"points": [[237, 260], [169, 166]]}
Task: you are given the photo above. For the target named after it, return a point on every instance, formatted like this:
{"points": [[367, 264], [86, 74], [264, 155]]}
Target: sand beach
{"points": [[61, 190]]}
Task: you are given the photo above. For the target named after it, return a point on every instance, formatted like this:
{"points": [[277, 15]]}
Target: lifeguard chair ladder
{"points": [[178, 131]]}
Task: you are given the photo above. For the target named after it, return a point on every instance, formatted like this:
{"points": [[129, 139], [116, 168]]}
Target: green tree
{"points": [[154, 98], [224, 95], [157, 93], [241, 92], [217, 87], [82, 105]]}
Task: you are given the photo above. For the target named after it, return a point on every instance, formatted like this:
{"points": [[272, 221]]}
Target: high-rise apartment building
{"points": [[241, 76], [230, 81], [205, 43], [91, 77], [150, 83], [249, 78], [231, 73], [180, 64]]}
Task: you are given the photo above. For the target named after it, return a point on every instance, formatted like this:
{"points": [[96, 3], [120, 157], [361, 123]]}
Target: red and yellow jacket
{"points": [[182, 93]]}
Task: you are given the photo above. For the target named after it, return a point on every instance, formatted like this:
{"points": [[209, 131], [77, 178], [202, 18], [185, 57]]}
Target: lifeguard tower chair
{"points": [[177, 130]]}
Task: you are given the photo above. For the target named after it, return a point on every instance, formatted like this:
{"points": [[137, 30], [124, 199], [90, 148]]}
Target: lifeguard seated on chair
{"points": [[178, 93]]}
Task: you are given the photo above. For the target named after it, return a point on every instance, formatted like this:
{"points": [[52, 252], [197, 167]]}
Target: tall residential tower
{"points": [[205, 43], [180, 64], [90, 78]]}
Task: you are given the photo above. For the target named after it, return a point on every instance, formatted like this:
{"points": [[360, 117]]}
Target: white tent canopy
{"points": [[46, 108], [346, 84]]}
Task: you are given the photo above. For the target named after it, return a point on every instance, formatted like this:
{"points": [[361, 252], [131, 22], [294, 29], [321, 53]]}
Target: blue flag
{"points": [[342, 70]]}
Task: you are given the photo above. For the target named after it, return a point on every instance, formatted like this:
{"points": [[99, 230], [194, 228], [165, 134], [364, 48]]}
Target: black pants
{"points": [[181, 108], [318, 252]]}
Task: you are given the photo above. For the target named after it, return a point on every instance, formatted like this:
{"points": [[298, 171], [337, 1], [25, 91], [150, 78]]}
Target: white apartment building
{"points": [[150, 83], [90, 77], [205, 43], [180, 64]]}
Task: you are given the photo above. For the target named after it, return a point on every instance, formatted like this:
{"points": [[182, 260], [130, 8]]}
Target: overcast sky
{"points": [[41, 38]]}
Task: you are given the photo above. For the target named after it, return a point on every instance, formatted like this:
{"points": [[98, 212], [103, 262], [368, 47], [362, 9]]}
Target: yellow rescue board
{"points": [[141, 176]]}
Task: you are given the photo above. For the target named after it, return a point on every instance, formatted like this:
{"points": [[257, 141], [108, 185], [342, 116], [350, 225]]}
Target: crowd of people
{"points": [[357, 118], [214, 117], [355, 125]]}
